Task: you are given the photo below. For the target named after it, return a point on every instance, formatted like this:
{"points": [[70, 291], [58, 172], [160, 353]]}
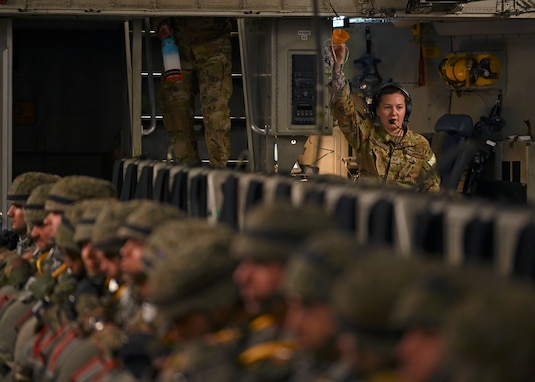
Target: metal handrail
{"points": [[150, 79], [245, 83]]}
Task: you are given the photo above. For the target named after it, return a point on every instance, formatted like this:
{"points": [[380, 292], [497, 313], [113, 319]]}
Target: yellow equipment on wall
{"points": [[470, 70]]}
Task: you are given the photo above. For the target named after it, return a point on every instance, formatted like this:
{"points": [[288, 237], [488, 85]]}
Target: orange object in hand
{"points": [[339, 36]]}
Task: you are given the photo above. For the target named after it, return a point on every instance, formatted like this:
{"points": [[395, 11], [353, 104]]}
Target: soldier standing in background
{"points": [[206, 58]]}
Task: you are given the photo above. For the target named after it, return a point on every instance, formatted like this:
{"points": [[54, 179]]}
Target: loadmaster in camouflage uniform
{"points": [[385, 149], [206, 58]]}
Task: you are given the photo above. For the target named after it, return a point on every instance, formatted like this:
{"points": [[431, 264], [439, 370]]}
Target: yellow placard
{"points": [[431, 52]]}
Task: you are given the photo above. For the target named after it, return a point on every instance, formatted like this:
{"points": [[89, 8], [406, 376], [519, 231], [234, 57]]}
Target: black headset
{"points": [[392, 85]]}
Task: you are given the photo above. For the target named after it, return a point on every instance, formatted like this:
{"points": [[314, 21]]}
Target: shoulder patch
{"points": [[432, 161]]}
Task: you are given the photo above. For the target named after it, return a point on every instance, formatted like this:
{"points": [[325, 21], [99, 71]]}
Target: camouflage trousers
{"points": [[206, 70]]}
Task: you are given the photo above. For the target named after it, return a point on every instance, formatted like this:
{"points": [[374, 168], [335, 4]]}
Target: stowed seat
{"points": [[453, 147]]}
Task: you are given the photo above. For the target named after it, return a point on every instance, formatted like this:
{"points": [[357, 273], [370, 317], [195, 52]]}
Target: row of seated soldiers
{"points": [[104, 290]]}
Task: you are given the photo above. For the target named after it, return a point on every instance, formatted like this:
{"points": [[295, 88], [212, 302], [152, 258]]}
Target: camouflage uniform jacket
{"points": [[212, 358], [383, 376], [24, 244], [307, 369], [201, 29], [265, 355], [407, 161]]}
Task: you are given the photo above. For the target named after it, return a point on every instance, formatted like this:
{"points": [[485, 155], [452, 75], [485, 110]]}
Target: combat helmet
{"points": [[84, 227], [273, 232], [192, 278], [65, 237], [429, 299], [34, 208], [140, 223], [363, 297], [77, 187], [185, 233], [491, 336], [104, 236], [24, 184], [312, 269]]}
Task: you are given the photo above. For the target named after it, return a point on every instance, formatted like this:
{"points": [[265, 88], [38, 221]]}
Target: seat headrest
{"points": [[456, 123]]}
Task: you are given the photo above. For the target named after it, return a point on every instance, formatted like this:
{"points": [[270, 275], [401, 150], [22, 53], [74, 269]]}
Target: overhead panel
{"points": [[410, 9]]}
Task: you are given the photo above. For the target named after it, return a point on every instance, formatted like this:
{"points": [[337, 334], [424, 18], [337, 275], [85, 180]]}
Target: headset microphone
{"points": [[404, 128]]}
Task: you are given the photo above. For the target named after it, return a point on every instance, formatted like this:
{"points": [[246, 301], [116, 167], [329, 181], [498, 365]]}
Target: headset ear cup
{"points": [[373, 108], [408, 107]]}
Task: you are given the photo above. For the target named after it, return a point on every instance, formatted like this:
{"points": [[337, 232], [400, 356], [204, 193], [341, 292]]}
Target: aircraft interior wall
{"points": [[402, 47], [71, 104], [399, 51]]}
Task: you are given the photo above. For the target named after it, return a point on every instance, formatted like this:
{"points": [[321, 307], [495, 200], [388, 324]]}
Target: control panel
{"points": [[304, 89]]}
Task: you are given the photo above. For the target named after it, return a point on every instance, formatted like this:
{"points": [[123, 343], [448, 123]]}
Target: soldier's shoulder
{"points": [[341, 372], [199, 361], [384, 376], [419, 140]]}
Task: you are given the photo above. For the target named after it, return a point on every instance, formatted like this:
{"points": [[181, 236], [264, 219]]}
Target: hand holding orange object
{"points": [[339, 36], [339, 49]]}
